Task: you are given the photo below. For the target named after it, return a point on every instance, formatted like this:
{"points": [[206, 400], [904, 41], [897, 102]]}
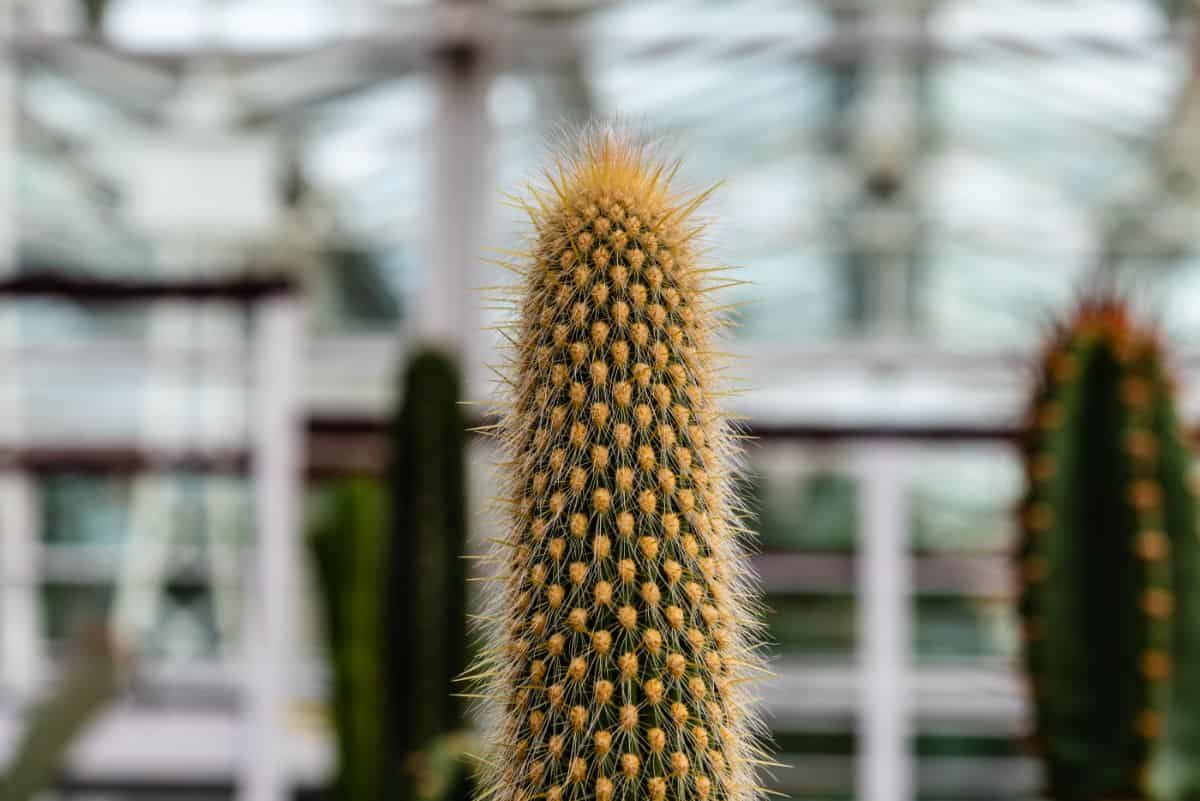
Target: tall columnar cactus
{"points": [[1108, 566], [428, 637], [623, 631], [347, 541]]}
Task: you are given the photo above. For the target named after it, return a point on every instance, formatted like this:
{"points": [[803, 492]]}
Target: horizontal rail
{"points": [[365, 426], [325, 459], [362, 446], [241, 289], [121, 460]]}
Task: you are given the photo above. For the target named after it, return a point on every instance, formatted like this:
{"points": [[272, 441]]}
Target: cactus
{"points": [[92, 681], [622, 633], [428, 637], [346, 539], [393, 671], [94, 12], [444, 769], [1107, 549]]}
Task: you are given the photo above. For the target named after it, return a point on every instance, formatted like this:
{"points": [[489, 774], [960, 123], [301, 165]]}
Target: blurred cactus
{"points": [[91, 683], [428, 628], [622, 635], [346, 538], [94, 12], [444, 769], [394, 671], [1107, 557]]}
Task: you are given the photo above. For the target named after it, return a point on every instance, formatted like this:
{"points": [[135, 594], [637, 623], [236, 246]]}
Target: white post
{"points": [[21, 653], [8, 139], [886, 140], [460, 182], [20, 609], [277, 495], [884, 625]]}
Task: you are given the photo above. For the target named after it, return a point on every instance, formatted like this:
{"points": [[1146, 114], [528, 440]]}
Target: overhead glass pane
{"points": [[962, 500], [1040, 128], [750, 117]]}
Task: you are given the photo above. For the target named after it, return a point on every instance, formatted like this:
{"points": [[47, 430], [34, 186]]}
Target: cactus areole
{"points": [[1107, 546], [623, 634]]}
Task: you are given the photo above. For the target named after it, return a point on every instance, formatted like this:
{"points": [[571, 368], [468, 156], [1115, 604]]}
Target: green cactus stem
{"points": [[346, 539], [428, 610], [1107, 503]]}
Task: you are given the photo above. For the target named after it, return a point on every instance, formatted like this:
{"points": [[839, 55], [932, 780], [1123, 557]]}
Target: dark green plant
{"points": [[347, 540], [90, 684], [428, 617], [1108, 563], [94, 12], [445, 767]]}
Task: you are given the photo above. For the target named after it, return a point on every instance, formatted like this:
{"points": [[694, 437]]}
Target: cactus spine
{"points": [[623, 634], [428, 639], [1106, 518]]}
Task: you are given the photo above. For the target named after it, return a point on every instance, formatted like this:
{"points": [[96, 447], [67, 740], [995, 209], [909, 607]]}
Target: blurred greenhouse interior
{"points": [[224, 224]]}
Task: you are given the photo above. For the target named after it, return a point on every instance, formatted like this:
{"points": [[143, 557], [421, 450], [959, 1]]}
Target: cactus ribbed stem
{"points": [[623, 631], [348, 545], [428, 618], [1106, 505]]}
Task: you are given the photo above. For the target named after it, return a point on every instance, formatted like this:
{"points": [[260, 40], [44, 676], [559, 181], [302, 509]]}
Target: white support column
{"points": [[885, 767], [8, 140], [21, 652], [277, 477], [21, 648], [886, 142], [460, 186]]}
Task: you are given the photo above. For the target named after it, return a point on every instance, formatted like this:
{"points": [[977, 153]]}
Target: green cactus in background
{"points": [[91, 682], [1108, 562], [347, 540], [94, 12], [428, 611], [445, 768], [623, 632], [395, 601]]}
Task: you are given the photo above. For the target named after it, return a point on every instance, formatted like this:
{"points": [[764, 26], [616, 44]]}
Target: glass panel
{"points": [[812, 512], [965, 767], [195, 567], [84, 510], [819, 763], [346, 203], [126, 375], [961, 506], [756, 121], [949, 628], [962, 501], [820, 625], [1168, 282], [1033, 155]]}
